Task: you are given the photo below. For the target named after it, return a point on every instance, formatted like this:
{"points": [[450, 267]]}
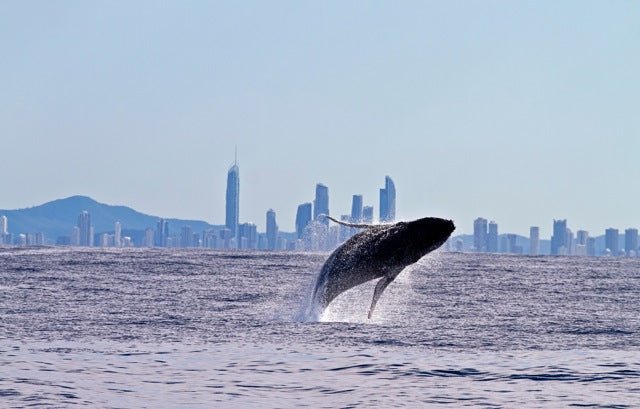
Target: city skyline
{"points": [[473, 108]]}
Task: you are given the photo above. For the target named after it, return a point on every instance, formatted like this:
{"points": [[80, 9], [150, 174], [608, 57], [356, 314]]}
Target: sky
{"points": [[519, 112]]}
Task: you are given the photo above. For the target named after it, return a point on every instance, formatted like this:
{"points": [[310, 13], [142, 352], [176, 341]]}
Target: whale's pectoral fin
{"points": [[382, 284]]}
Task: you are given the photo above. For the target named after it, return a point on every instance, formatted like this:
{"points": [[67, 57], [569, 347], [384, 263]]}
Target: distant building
{"points": [[570, 243], [559, 238], [321, 203], [272, 230], [117, 239], [534, 240], [611, 238], [388, 201], [356, 209], [4, 225], [39, 241], [480, 234], [84, 225], [581, 237], [75, 236], [148, 238], [492, 237], [513, 244], [186, 237], [303, 218], [162, 233], [631, 242], [248, 233], [591, 246], [232, 216], [367, 214]]}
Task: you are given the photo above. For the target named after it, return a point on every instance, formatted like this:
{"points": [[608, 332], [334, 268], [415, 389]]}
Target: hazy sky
{"points": [[517, 112]]}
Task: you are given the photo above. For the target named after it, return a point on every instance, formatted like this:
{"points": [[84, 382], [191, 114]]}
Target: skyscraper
{"points": [[356, 209], [84, 225], [272, 230], [162, 233], [321, 203], [534, 240], [492, 237], [303, 218], [631, 242], [388, 201], [559, 238], [4, 225], [186, 237], [232, 217], [480, 234], [367, 214], [117, 237], [611, 237]]}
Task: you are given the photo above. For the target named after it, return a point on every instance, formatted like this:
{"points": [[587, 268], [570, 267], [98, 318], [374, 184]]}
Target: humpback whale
{"points": [[378, 251]]}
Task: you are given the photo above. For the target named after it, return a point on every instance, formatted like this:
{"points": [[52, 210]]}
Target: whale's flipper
{"points": [[382, 284], [361, 226]]}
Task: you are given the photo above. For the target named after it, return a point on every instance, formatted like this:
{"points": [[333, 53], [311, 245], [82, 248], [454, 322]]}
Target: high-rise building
{"points": [[631, 242], [321, 203], [367, 214], [480, 234], [232, 216], [581, 237], [186, 237], [117, 238], [559, 238], [248, 233], [356, 209], [388, 201], [148, 238], [492, 237], [84, 224], [591, 246], [272, 230], [303, 218], [534, 240], [611, 237], [162, 233], [4, 225], [570, 243]]}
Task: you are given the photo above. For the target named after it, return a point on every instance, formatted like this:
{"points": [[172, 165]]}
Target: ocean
{"points": [[152, 328]]}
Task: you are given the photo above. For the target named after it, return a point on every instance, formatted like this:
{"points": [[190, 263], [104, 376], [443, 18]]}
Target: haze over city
{"points": [[508, 113]]}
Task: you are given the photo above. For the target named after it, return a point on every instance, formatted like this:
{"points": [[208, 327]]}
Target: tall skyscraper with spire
{"points": [[233, 198], [388, 201]]}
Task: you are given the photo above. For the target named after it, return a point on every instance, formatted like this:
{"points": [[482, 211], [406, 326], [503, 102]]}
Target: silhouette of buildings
{"points": [[388, 201]]}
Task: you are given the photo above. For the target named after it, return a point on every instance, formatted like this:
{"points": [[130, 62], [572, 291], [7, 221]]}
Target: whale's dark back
{"points": [[381, 250]]}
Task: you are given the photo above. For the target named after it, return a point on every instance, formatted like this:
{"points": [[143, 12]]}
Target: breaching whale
{"points": [[378, 251]]}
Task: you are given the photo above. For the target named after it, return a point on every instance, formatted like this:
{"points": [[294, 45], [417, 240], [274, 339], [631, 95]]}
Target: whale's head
{"points": [[427, 234]]}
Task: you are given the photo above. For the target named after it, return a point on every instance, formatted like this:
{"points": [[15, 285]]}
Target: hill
{"points": [[57, 218]]}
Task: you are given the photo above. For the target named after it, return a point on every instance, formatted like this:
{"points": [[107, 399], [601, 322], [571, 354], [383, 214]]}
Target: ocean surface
{"points": [[196, 328]]}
